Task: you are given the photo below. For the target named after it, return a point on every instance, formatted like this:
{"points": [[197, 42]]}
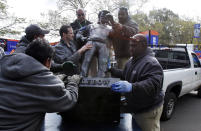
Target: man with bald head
{"points": [[142, 80], [80, 21]]}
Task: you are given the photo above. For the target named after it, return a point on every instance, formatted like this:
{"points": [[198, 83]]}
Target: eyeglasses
{"points": [[80, 15]]}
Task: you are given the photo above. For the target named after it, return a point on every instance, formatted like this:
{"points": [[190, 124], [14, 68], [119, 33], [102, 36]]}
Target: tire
{"points": [[199, 92], [169, 106]]}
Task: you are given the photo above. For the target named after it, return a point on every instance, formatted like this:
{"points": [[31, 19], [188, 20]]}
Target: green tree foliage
{"points": [[142, 20], [168, 21], [172, 29]]}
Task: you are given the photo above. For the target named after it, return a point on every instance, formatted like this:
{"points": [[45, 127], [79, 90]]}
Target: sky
{"points": [[33, 8], [185, 8], [30, 9]]}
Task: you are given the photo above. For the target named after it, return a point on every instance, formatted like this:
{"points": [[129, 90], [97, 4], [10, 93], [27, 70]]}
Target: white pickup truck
{"points": [[182, 74]]}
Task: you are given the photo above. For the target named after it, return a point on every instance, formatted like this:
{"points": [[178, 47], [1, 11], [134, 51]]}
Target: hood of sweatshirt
{"points": [[20, 65]]}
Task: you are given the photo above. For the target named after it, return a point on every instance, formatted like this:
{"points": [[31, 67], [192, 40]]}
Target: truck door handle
{"points": [[196, 73]]}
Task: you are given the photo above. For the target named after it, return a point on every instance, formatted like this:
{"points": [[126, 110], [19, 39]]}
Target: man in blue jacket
{"points": [[141, 82]]}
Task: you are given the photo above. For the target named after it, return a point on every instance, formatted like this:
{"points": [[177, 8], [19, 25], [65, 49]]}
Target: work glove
{"points": [[61, 76], [69, 68], [122, 87], [75, 79]]}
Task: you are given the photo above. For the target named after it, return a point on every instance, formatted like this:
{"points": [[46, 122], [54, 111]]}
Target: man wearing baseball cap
{"points": [[32, 32]]}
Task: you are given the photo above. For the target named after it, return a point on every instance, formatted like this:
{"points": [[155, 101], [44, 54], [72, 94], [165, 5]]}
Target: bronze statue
{"points": [[98, 36]]}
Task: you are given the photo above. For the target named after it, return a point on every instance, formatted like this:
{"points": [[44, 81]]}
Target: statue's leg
{"points": [[103, 56], [87, 60], [93, 67]]}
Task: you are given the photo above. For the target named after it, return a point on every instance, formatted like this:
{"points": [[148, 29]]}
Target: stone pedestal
{"points": [[96, 102]]}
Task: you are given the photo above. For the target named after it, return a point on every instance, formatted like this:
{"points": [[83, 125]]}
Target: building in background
{"points": [[152, 37], [10, 45]]}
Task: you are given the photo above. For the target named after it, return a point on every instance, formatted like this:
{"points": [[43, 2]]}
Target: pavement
{"points": [[187, 115]]}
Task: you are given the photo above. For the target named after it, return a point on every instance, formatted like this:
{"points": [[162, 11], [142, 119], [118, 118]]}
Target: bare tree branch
{"points": [[7, 21]]}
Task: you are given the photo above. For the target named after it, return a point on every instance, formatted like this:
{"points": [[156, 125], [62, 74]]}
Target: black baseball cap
{"points": [[36, 30]]}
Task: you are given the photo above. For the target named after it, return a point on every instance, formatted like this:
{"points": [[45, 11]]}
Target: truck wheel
{"points": [[199, 92], [169, 106]]}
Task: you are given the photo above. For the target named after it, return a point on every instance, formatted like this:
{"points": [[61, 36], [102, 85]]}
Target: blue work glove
{"points": [[122, 87]]}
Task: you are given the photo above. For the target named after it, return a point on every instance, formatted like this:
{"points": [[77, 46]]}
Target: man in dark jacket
{"points": [[32, 32], [127, 28], [66, 49], [29, 90], [78, 24], [142, 85], [80, 21]]}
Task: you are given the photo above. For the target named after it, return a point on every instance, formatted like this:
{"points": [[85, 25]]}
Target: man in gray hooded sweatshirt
{"points": [[28, 89]]}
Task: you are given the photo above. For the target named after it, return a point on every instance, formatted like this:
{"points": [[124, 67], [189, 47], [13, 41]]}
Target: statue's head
{"points": [[102, 16]]}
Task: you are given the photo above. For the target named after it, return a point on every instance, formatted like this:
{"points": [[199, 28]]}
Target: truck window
{"points": [[171, 59], [161, 54], [179, 56], [196, 61]]}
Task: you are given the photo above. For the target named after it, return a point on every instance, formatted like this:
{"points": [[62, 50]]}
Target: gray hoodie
{"points": [[28, 90]]}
